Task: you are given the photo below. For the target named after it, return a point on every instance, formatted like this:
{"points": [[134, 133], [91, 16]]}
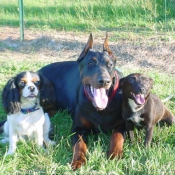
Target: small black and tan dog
{"points": [[88, 88], [142, 108]]}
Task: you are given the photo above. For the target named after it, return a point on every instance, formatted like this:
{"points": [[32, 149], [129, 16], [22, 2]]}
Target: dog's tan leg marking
{"points": [[116, 146], [79, 153]]}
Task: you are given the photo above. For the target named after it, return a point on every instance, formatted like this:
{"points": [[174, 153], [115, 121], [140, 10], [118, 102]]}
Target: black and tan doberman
{"points": [[88, 88]]}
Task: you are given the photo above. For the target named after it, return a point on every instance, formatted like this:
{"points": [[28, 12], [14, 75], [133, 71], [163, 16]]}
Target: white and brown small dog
{"points": [[23, 98]]}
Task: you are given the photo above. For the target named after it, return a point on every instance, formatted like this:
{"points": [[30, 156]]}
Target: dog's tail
{"points": [[168, 98]]}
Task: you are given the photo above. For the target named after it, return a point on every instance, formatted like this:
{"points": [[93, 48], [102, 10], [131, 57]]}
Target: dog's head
{"points": [[97, 72], [137, 87], [26, 88]]}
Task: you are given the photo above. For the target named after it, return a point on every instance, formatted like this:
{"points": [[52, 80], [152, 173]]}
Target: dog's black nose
{"points": [[103, 82], [31, 88]]}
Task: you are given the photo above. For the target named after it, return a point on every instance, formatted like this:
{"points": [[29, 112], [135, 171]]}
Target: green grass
{"points": [[82, 15], [158, 159]]}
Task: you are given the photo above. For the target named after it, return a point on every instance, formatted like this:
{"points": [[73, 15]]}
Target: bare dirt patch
{"points": [[51, 46]]}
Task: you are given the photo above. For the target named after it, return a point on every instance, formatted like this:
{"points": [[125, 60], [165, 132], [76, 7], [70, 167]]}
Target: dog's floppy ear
{"points": [[47, 93], [106, 47], [151, 82], [86, 49], [121, 82], [11, 97]]}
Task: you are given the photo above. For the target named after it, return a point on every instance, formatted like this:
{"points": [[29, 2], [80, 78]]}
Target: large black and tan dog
{"points": [[88, 88], [142, 108]]}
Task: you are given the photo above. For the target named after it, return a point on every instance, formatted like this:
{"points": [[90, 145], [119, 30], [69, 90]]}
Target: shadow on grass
{"points": [[57, 47]]}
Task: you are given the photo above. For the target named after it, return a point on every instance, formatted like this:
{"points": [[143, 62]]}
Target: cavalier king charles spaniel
{"points": [[23, 98]]}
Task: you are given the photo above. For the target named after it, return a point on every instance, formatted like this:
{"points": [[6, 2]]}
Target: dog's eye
{"points": [[37, 83], [145, 80], [90, 63], [110, 65], [22, 84]]}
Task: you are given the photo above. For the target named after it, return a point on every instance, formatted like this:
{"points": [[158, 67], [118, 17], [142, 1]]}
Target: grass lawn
{"points": [[158, 159], [80, 15]]}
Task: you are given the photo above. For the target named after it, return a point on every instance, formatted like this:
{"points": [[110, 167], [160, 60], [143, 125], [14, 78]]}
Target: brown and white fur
{"points": [[23, 98]]}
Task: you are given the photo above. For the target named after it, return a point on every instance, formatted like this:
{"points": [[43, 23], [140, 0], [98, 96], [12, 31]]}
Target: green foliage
{"points": [[83, 15]]}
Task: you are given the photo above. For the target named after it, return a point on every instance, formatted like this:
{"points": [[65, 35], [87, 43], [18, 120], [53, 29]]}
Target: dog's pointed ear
{"points": [[151, 83], [11, 97], [86, 49], [47, 93], [106, 47]]}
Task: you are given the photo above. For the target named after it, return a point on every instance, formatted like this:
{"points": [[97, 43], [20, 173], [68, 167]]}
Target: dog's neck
{"points": [[28, 103], [28, 106], [115, 86]]}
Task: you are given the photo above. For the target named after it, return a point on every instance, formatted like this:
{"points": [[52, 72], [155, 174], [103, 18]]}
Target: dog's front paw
{"points": [[76, 164], [51, 143]]}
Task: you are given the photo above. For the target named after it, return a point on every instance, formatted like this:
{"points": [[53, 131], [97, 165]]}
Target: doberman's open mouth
{"points": [[98, 97], [138, 98]]}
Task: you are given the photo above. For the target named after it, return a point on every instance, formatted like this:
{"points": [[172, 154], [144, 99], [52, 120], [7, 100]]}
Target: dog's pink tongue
{"points": [[100, 98], [140, 99]]}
